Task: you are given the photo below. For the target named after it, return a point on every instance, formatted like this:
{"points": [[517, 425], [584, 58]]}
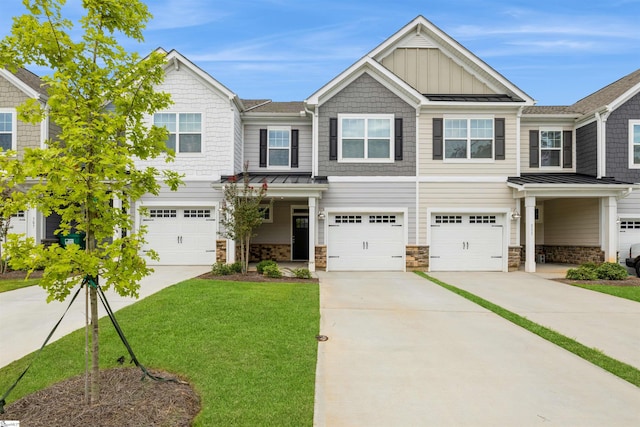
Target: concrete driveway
{"points": [[403, 351], [26, 319]]}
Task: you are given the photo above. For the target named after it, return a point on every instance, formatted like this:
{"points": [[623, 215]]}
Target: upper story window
{"points": [[366, 138], [468, 138], [550, 148], [634, 143], [279, 146], [7, 130], [185, 131]]}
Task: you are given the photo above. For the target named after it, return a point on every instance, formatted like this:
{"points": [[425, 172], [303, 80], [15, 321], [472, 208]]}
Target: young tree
{"points": [[10, 204], [99, 95], [242, 213]]}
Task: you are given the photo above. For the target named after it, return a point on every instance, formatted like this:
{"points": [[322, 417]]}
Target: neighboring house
{"points": [[418, 156]]}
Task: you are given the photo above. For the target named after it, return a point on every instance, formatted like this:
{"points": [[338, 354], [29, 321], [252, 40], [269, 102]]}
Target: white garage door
{"points": [[366, 242], [466, 242], [17, 224], [629, 235], [181, 236]]}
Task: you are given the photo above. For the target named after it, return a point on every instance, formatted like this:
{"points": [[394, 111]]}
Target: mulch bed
{"points": [[20, 275], [253, 276], [630, 281], [125, 400]]}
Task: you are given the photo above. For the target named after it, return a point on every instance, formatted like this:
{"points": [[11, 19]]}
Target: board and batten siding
{"points": [[529, 125], [252, 148], [430, 167], [379, 195], [571, 222], [468, 196], [27, 135], [192, 95], [430, 71]]}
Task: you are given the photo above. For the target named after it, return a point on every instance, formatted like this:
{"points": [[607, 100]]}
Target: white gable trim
{"points": [[377, 72], [30, 92], [622, 99], [419, 25]]}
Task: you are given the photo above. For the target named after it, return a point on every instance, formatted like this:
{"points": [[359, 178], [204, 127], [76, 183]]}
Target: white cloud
{"points": [[172, 14]]}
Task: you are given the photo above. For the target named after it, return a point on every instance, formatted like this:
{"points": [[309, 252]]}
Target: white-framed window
{"points": [[7, 129], [550, 147], [267, 213], [634, 144], [365, 138], [468, 138], [185, 131], [279, 147]]}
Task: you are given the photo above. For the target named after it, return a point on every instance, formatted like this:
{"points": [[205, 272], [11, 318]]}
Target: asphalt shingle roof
{"points": [[31, 80], [268, 106], [607, 94]]}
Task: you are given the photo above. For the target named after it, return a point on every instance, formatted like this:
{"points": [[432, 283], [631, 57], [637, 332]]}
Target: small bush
{"points": [[611, 271], [222, 269], [236, 267], [581, 274], [302, 273], [589, 265], [264, 263], [272, 270]]}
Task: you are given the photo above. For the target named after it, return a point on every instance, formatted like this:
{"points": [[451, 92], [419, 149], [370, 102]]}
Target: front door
{"points": [[300, 238]]}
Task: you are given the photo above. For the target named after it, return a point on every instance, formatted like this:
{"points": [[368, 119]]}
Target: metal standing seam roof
{"points": [[472, 97], [563, 179], [290, 179]]}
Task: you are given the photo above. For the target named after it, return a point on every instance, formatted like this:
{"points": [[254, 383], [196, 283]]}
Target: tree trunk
{"points": [[95, 354]]}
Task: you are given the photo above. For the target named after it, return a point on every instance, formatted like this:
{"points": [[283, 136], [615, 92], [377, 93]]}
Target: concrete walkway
{"points": [[26, 319], [403, 351]]}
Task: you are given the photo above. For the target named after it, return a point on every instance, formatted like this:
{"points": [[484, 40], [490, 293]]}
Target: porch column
{"points": [[530, 234], [117, 204], [313, 221], [610, 229]]}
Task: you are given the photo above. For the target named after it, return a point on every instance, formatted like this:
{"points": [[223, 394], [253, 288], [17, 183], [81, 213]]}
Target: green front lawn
{"points": [[628, 292], [249, 349], [11, 284]]}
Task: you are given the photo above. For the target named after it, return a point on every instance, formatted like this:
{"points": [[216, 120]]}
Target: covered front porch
{"points": [[568, 218]]}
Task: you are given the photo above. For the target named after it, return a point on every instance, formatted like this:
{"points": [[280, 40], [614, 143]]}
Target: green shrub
{"points": [[222, 269], [272, 270], [611, 271], [302, 273], [581, 274], [236, 267], [264, 263]]}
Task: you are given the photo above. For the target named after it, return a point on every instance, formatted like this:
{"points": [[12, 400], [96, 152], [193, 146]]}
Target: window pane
{"points": [[190, 144], [353, 148], [455, 149], [550, 158], [455, 128], [550, 139], [278, 157], [481, 128], [279, 138], [378, 149], [353, 128], [171, 142], [379, 128], [636, 134], [5, 141], [5, 122], [636, 155], [481, 149], [190, 122], [167, 120]]}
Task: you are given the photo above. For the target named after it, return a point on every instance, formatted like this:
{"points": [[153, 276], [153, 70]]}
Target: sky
{"points": [[557, 51]]}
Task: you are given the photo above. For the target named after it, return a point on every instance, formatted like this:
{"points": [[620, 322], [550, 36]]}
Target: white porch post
{"points": [[530, 234], [611, 229], [117, 204], [313, 221]]}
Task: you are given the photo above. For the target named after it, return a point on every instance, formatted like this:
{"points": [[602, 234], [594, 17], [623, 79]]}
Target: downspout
{"points": [[598, 145]]}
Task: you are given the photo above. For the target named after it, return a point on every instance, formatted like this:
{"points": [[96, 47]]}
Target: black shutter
{"points": [[398, 137], [294, 148], [263, 148], [534, 144], [437, 139], [333, 138], [567, 150], [500, 139]]}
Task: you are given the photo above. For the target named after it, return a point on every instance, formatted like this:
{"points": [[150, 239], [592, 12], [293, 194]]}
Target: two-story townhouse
{"points": [[15, 135]]}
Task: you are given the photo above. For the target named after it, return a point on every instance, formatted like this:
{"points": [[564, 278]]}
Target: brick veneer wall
{"points": [[417, 257], [221, 251], [272, 251], [321, 257], [573, 254]]}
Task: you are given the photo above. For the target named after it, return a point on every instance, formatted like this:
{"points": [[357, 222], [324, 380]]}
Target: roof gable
{"points": [[612, 95], [29, 83]]}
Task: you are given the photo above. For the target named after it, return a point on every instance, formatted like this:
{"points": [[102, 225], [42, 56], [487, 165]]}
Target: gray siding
{"points": [[377, 195], [252, 148], [366, 96], [618, 141], [587, 150]]}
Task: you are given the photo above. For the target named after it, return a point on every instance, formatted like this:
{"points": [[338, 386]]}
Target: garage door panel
{"points": [[629, 234]]}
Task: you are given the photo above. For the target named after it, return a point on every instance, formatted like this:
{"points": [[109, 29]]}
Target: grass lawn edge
{"points": [[592, 355]]}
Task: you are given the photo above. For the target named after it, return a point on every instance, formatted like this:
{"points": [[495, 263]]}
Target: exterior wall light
{"points": [[515, 215], [321, 215]]}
